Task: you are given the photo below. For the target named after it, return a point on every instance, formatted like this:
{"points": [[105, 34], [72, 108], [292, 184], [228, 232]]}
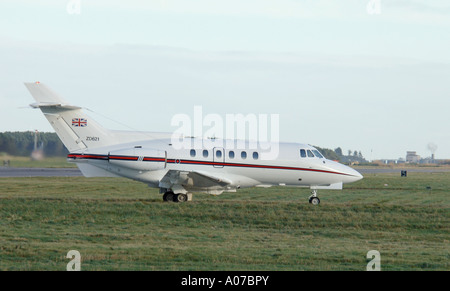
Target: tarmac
{"points": [[39, 172], [398, 170]]}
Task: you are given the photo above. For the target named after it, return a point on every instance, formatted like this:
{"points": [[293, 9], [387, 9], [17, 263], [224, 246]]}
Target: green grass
{"points": [[118, 224]]}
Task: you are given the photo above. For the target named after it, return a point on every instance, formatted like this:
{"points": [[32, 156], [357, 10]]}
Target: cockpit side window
{"points": [[318, 154], [302, 153], [310, 154]]}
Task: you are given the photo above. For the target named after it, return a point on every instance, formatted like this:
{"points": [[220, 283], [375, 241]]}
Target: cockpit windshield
{"points": [[310, 153], [318, 154]]}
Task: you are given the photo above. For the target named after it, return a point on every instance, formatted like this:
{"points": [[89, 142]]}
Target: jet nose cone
{"points": [[348, 175], [353, 175]]}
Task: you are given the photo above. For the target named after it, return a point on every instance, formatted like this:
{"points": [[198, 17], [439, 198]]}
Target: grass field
{"points": [[118, 224]]}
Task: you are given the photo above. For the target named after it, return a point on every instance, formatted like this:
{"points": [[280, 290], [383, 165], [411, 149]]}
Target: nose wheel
{"points": [[313, 199]]}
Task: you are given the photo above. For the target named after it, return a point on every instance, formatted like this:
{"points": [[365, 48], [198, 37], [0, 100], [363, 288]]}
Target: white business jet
{"points": [[151, 158]]}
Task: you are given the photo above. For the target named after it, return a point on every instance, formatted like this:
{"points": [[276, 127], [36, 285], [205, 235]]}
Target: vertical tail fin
{"points": [[76, 130]]}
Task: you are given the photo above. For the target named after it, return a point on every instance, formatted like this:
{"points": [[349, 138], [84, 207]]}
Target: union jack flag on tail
{"points": [[79, 122]]}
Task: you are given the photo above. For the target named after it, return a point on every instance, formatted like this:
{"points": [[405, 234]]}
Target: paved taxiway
{"points": [[398, 170], [39, 172]]}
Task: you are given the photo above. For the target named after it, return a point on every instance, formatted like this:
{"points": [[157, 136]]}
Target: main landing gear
{"points": [[169, 196], [313, 199]]}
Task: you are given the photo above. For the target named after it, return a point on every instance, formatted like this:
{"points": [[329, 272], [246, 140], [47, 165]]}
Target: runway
{"points": [[398, 170], [39, 172], [75, 172]]}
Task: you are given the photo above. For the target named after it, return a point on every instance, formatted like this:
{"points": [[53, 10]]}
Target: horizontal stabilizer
{"points": [[53, 104]]}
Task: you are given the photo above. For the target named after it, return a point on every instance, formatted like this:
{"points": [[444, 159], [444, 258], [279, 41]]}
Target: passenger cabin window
{"points": [[219, 154], [243, 155], [255, 155], [205, 153], [302, 153], [318, 154], [310, 154], [192, 153], [231, 154]]}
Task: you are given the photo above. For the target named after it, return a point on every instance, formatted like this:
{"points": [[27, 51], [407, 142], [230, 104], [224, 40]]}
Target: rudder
{"points": [[76, 130]]}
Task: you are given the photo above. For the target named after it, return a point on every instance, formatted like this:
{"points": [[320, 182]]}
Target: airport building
{"points": [[412, 157]]}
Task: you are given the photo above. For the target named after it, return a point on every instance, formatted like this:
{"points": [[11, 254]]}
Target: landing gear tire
{"points": [[314, 200], [180, 198], [168, 197]]}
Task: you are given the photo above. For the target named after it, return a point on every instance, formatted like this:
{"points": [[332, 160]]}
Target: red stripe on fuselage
{"points": [[147, 159], [126, 158], [83, 156], [193, 162]]}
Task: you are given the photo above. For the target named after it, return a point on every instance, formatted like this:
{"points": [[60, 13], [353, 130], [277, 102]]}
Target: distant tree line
{"points": [[329, 154], [351, 157], [338, 155], [22, 143]]}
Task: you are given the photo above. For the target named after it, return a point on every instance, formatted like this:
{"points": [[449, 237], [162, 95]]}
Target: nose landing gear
{"points": [[313, 199]]}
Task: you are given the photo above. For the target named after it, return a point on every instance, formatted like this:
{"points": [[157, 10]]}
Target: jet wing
{"points": [[193, 180]]}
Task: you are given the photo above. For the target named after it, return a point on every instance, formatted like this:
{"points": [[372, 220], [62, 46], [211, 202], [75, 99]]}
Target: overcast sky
{"points": [[369, 75]]}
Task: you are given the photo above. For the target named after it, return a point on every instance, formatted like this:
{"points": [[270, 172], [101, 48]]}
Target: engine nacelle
{"points": [[138, 158]]}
